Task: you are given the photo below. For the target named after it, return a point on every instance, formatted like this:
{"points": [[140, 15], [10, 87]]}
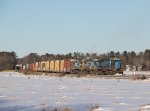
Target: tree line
{"points": [[128, 58], [8, 60]]}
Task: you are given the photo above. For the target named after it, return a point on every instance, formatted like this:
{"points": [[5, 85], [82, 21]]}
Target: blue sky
{"points": [[63, 26]]}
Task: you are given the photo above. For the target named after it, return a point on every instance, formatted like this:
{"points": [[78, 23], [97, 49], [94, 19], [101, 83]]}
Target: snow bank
{"points": [[36, 93]]}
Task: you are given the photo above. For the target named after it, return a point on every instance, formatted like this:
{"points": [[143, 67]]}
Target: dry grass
{"points": [[139, 77], [60, 74], [55, 109], [9, 71]]}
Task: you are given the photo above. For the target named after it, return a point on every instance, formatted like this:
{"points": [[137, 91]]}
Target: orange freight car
{"points": [[31, 67], [67, 66]]}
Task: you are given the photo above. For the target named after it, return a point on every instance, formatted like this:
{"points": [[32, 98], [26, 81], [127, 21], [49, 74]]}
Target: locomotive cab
{"points": [[117, 64]]}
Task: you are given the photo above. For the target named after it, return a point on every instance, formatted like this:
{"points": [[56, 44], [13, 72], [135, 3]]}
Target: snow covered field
{"points": [[42, 93]]}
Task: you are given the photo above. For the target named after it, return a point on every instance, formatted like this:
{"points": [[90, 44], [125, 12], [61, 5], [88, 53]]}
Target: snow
{"points": [[45, 93], [145, 108]]}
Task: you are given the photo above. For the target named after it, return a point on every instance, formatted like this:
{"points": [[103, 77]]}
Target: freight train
{"points": [[104, 66]]}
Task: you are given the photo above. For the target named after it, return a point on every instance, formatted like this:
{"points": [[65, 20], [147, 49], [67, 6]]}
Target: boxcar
{"points": [[57, 66], [52, 66], [36, 66], [47, 66], [62, 66], [32, 67], [43, 66], [67, 66], [39, 66]]}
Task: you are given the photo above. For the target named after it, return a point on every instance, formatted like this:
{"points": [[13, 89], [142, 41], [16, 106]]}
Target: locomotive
{"points": [[103, 67]]}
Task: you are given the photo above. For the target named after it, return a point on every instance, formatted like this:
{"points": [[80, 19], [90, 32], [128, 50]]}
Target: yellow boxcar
{"points": [[52, 66], [47, 66], [62, 66], [57, 66], [39, 66]]}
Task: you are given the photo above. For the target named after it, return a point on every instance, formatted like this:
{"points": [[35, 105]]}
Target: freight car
{"points": [[104, 66]]}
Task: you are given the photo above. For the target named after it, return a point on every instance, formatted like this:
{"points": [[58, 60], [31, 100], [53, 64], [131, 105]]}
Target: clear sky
{"points": [[63, 26]]}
